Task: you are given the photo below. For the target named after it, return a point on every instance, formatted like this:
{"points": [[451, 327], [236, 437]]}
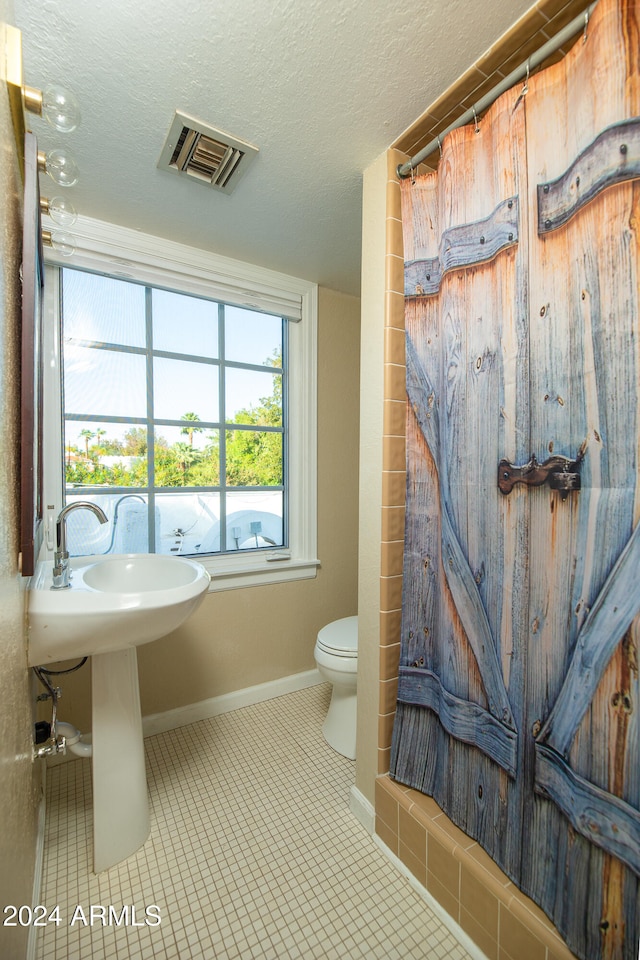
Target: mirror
{"points": [[31, 508]]}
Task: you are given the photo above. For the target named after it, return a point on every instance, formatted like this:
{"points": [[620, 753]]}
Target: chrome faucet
{"points": [[61, 556]]}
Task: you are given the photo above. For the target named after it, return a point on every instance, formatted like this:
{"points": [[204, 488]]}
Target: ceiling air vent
{"points": [[209, 156]]}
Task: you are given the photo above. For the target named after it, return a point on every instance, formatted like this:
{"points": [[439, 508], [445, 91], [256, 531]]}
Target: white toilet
{"points": [[336, 654]]}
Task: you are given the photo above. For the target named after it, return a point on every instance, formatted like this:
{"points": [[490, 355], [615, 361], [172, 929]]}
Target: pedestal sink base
{"points": [[114, 603], [120, 802]]}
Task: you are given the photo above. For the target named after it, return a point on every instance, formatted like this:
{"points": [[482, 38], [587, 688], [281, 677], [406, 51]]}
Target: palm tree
{"points": [[184, 456], [190, 429], [88, 435], [100, 432]]}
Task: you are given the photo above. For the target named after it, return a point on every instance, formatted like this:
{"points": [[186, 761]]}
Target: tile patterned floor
{"points": [[253, 853]]}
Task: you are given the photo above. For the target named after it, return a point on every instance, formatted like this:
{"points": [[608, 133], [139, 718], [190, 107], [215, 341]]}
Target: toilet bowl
{"points": [[336, 655]]}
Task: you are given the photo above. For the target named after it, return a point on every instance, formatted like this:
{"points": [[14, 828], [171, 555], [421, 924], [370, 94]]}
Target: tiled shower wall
{"points": [[455, 870]]}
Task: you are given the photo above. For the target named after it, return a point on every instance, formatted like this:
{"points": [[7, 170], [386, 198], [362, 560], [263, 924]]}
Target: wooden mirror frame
{"points": [[31, 501]]}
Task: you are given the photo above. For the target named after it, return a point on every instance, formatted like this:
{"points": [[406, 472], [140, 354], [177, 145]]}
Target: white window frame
{"points": [[119, 252]]}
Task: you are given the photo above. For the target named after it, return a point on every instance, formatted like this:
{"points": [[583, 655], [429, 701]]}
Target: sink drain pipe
{"points": [[72, 739], [58, 736]]}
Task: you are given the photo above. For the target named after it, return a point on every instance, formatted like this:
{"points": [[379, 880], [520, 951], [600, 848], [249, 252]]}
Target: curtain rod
{"points": [[578, 23]]}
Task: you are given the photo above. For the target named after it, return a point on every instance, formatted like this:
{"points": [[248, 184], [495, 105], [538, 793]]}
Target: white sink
{"points": [[113, 602]]}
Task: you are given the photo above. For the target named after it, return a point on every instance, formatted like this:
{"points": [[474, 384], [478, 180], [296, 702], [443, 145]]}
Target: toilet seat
{"points": [[340, 638]]}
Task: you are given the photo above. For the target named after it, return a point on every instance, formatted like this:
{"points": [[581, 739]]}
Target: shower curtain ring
{"points": [[475, 120], [440, 147], [525, 89], [413, 175], [585, 35]]}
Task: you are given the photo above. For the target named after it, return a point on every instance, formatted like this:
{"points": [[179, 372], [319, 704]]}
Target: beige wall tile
{"points": [[395, 414], [413, 834], [390, 623], [443, 865], [444, 897], [394, 307], [395, 381], [394, 457], [387, 835], [561, 952], [394, 274], [395, 242], [384, 760], [478, 934], [535, 920], [394, 204], [424, 808], [413, 863], [392, 555], [559, 13], [389, 659], [479, 900], [452, 97], [395, 348], [392, 522], [388, 696], [394, 157], [386, 803], [385, 730], [391, 593], [394, 485], [517, 939], [526, 48]]}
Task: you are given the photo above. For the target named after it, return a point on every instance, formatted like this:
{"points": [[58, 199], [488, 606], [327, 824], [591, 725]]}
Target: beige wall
{"points": [[19, 776], [243, 637]]}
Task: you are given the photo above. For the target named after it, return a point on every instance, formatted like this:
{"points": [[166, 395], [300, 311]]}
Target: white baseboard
{"points": [[214, 706], [362, 810], [463, 938]]}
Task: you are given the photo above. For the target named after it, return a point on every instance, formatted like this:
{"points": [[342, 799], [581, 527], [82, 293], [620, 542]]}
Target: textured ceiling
{"points": [[322, 87]]}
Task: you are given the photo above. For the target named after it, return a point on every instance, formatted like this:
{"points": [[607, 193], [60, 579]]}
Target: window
{"points": [[188, 418]]}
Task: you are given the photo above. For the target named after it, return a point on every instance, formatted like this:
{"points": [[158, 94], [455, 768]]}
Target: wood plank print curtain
{"points": [[518, 683]]}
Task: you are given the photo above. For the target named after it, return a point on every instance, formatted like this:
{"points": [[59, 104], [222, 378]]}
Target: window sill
{"points": [[232, 573]]}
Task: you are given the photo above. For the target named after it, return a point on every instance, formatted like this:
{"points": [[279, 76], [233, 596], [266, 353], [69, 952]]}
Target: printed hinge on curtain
{"points": [[464, 246], [612, 157]]}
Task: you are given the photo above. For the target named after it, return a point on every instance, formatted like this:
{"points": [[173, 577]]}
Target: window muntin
{"points": [[182, 441]]}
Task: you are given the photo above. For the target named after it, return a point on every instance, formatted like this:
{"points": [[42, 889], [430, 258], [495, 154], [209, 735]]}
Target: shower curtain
{"points": [[518, 690]]}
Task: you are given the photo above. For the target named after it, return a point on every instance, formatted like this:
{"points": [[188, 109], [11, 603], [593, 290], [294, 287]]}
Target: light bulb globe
{"points": [[60, 108], [64, 243], [62, 168], [62, 211]]}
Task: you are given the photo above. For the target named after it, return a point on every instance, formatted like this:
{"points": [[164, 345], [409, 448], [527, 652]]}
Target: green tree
{"points": [[190, 429], [184, 455], [135, 442], [254, 457]]}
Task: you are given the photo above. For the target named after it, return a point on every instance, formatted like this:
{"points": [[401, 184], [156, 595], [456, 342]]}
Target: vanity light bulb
{"points": [[64, 243], [61, 167], [61, 211], [60, 108]]}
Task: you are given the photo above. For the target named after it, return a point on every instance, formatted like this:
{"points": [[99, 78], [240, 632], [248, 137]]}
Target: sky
{"points": [[112, 383]]}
